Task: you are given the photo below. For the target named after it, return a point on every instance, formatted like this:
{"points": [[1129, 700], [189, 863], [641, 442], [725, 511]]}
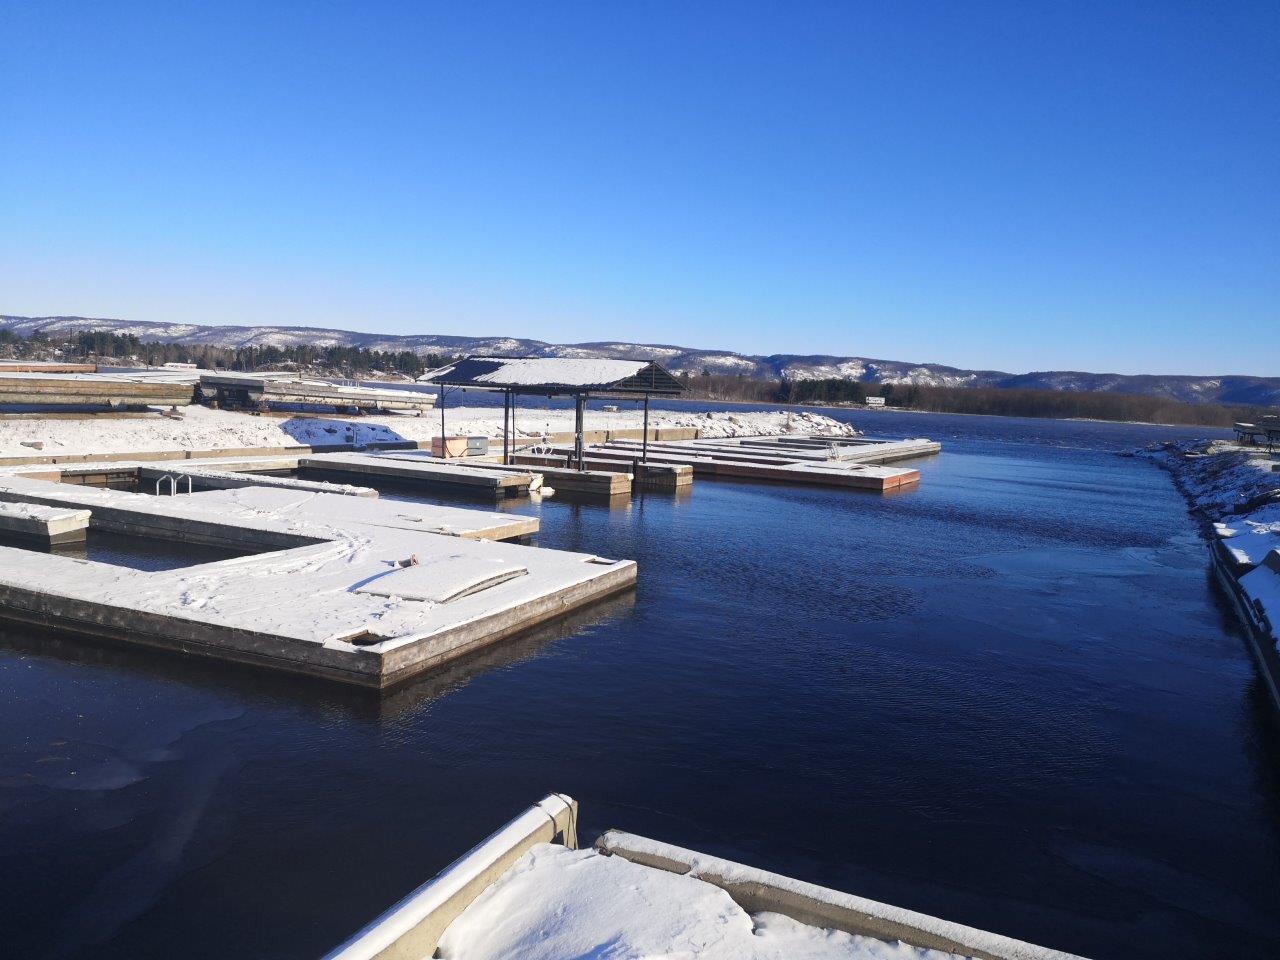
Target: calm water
{"points": [[1010, 697]]}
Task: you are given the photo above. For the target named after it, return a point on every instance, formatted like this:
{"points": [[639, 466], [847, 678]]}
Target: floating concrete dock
{"points": [[410, 470], [179, 479], [607, 485], [352, 589], [425, 471], [269, 514], [821, 449], [51, 525], [253, 390], [656, 476], [414, 928], [800, 462]]}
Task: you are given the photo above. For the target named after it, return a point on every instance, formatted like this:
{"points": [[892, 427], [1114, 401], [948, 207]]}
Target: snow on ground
{"points": [[560, 904], [204, 429], [1217, 476], [1238, 489]]}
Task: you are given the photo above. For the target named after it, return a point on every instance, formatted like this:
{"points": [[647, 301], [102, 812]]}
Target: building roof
{"points": [[557, 375]]}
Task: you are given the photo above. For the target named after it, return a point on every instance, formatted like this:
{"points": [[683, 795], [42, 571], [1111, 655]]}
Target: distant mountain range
{"points": [[1209, 389]]}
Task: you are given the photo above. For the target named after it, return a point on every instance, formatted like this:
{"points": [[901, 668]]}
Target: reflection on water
{"points": [[308, 692], [1010, 697], [136, 553]]}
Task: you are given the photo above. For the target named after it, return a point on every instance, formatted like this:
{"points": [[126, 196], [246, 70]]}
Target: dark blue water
{"points": [[1010, 697]]}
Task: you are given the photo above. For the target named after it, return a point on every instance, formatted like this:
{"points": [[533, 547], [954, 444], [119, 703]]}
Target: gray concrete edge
{"points": [[411, 929], [758, 890]]}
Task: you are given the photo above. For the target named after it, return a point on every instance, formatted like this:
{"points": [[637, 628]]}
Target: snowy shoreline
{"points": [[1236, 492], [1219, 479], [201, 428]]}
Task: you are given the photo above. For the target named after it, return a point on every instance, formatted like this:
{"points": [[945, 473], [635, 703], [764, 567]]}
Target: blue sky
{"points": [[1017, 186]]}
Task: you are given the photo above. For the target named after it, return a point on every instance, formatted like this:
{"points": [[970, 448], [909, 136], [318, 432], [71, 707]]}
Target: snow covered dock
{"points": [[52, 525], [657, 476], [799, 459], [422, 469], [615, 483], [353, 589], [527, 892]]}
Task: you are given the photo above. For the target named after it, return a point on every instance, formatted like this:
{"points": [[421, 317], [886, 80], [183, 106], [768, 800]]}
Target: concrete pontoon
{"points": [[845, 464], [657, 476], [660, 877], [50, 525], [357, 590], [191, 479], [264, 513], [607, 483], [423, 470], [822, 449], [484, 479]]}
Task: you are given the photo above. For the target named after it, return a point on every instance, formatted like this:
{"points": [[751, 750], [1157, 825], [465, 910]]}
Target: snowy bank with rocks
{"points": [[1236, 489], [201, 428]]}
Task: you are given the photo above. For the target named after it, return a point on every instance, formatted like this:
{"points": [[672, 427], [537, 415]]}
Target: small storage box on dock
{"points": [[460, 447]]}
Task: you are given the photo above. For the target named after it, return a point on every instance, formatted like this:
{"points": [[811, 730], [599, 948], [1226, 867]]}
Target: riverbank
{"points": [[1236, 491]]}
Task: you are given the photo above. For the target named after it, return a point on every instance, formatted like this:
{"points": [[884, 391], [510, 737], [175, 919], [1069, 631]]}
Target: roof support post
{"points": [[443, 452], [644, 440], [579, 403], [506, 430]]}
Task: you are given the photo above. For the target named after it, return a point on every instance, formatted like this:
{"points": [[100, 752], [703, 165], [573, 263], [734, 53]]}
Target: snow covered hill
{"points": [[1218, 389]]}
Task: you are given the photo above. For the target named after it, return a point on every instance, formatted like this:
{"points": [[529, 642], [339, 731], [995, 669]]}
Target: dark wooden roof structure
{"points": [[577, 377], [558, 376]]}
